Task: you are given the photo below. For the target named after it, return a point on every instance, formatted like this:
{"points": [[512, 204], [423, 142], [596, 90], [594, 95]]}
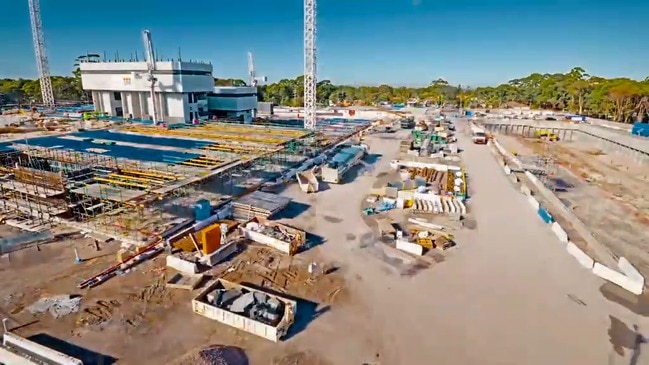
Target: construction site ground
{"points": [[509, 294], [608, 192]]}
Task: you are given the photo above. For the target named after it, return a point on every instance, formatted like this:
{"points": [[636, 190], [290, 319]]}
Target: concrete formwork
{"points": [[606, 140]]}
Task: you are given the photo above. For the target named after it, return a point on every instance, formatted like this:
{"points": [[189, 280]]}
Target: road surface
{"points": [[508, 294]]}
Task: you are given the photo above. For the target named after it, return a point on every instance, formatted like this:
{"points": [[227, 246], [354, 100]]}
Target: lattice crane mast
{"points": [[41, 57], [310, 64]]}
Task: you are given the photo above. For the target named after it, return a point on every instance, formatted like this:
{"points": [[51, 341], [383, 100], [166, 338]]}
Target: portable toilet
{"points": [[202, 210]]}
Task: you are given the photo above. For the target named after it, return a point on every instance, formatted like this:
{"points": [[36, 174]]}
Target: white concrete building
{"points": [[121, 89], [233, 102]]}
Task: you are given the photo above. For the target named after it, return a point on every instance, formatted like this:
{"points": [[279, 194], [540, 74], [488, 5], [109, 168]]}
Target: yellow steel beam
{"points": [[206, 158], [157, 174], [137, 179], [191, 163], [203, 134], [123, 183], [256, 129]]}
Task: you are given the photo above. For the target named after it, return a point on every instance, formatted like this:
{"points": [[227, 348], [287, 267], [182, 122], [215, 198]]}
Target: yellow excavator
{"points": [[546, 134]]}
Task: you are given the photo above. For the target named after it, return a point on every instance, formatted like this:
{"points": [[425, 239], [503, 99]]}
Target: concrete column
{"points": [[162, 103], [124, 104], [143, 105]]}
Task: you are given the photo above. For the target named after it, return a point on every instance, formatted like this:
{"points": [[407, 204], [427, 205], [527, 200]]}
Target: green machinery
{"points": [[419, 137]]}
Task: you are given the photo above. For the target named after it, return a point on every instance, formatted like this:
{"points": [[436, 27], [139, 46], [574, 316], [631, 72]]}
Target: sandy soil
{"points": [[509, 293], [584, 174]]}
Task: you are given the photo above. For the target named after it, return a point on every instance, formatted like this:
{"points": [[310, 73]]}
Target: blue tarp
{"points": [[140, 139], [133, 153]]}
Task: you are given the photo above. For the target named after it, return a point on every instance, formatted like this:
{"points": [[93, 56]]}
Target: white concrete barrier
{"points": [[38, 350], [409, 247], [625, 266], [532, 178], [513, 178], [634, 286], [526, 190], [561, 234], [507, 170], [533, 202], [181, 265], [579, 255]]}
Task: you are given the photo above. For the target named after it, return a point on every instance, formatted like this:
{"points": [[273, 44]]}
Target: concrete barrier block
{"points": [[582, 258], [533, 202], [618, 278], [625, 266], [507, 170], [532, 178], [181, 265], [526, 190], [513, 178], [561, 234]]}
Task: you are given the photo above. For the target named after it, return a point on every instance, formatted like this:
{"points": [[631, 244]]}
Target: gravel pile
{"points": [[215, 355]]}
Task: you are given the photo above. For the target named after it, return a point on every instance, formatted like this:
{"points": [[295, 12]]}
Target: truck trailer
{"points": [[344, 160]]}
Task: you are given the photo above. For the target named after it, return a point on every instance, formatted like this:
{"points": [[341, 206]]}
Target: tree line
{"points": [[618, 99]]}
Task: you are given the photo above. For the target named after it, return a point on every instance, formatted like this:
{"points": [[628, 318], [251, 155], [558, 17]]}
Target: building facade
{"points": [[233, 102], [122, 89]]}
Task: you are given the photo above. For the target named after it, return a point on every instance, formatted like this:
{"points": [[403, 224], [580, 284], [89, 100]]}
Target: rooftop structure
{"points": [[121, 89], [233, 102]]}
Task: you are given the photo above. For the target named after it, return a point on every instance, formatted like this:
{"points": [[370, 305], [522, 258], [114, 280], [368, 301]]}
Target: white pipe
{"points": [[221, 214]]}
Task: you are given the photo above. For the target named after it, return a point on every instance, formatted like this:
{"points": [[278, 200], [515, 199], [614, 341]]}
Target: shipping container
{"points": [[203, 306]]}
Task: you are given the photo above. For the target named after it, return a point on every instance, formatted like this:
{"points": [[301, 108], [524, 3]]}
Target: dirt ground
{"points": [[134, 318], [584, 174]]}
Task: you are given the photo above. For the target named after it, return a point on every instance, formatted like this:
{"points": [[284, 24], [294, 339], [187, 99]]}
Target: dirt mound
{"points": [[215, 355], [300, 358]]}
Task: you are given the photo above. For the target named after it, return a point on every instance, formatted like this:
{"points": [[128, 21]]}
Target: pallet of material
{"points": [[258, 204]]}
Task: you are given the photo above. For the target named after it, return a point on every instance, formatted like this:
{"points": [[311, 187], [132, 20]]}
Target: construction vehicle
{"points": [[408, 123], [479, 137], [546, 134], [342, 162]]}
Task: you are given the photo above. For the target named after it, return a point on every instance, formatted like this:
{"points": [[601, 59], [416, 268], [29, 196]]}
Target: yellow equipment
{"points": [[546, 134]]}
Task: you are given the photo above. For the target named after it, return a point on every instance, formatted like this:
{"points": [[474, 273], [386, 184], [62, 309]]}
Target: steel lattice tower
{"points": [[41, 57], [310, 65]]}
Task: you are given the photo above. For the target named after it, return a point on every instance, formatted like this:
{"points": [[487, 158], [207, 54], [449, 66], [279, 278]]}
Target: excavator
{"points": [[546, 134]]}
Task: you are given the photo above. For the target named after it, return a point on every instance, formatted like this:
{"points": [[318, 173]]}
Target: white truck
{"points": [[344, 160]]}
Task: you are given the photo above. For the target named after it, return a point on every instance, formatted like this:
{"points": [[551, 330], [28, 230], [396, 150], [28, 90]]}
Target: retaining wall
{"points": [[628, 277]]}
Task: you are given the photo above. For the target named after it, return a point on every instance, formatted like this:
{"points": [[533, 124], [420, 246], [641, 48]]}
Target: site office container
{"points": [[201, 306], [289, 247], [343, 160]]}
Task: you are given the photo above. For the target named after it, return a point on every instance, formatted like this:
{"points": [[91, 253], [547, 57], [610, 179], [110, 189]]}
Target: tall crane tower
{"points": [[41, 57], [310, 64]]}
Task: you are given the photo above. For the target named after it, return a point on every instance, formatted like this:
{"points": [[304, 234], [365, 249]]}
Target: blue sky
{"points": [[401, 42]]}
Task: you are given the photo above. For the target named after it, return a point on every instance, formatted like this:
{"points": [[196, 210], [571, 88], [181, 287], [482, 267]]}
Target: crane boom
{"points": [[252, 81], [41, 57], [151, 66]]}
